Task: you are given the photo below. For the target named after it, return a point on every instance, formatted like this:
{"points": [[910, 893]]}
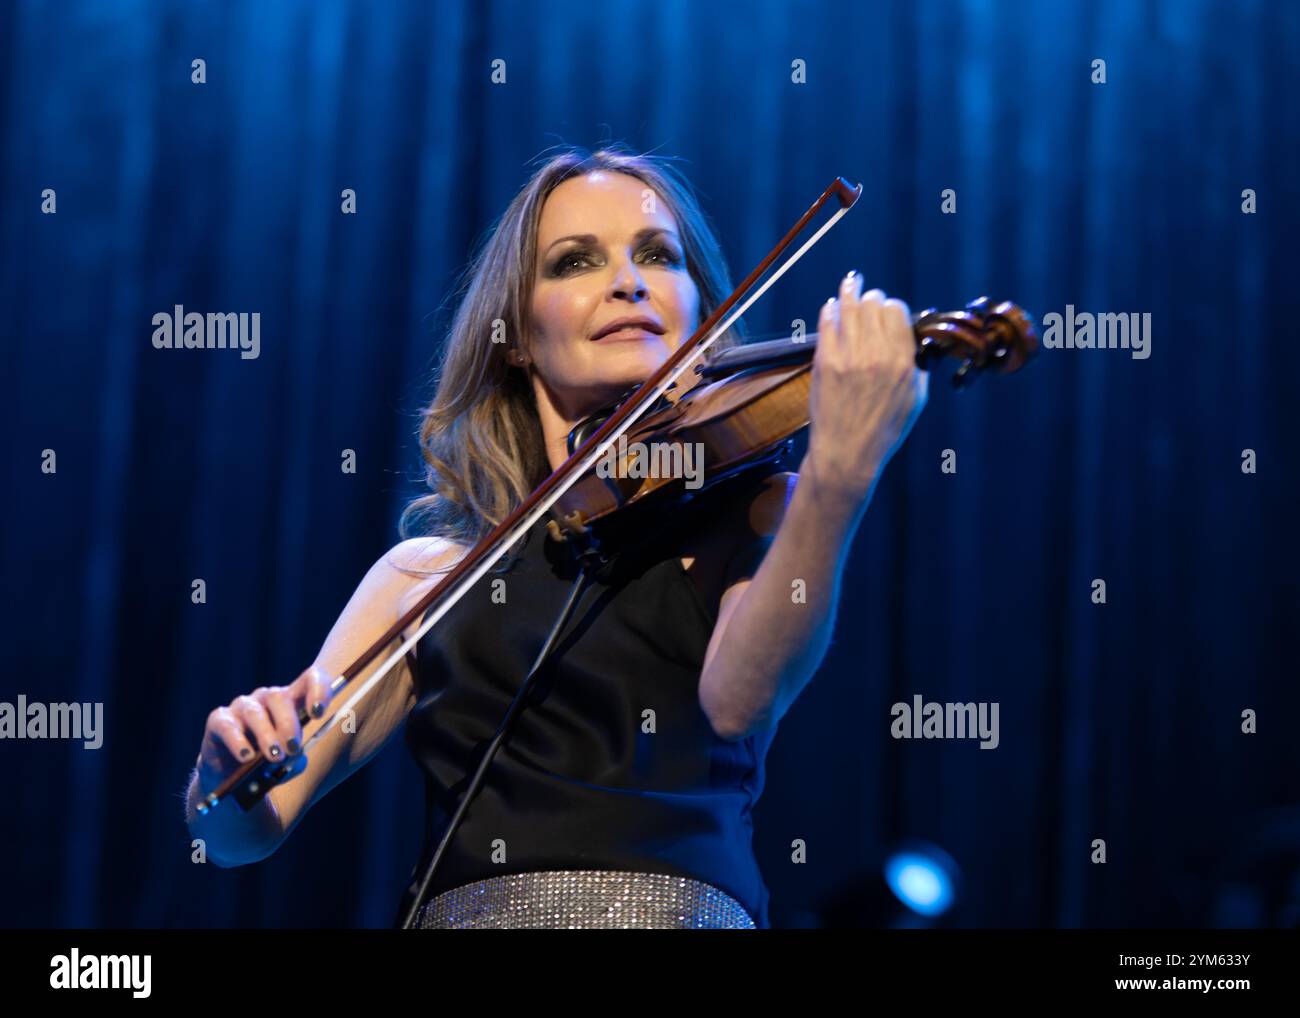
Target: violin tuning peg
{"points": [[928, 350]]}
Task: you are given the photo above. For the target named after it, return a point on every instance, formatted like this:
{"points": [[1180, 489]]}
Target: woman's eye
{"points": [[569, 262], [666, 254]]}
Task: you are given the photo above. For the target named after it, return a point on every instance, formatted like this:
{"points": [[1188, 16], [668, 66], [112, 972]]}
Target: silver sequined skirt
{"points": [[584, 900]]}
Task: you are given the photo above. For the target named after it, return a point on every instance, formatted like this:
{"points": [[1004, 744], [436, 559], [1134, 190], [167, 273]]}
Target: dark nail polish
{"points": [[318, 708], [293, 746], [245, 753], [274, 752]]}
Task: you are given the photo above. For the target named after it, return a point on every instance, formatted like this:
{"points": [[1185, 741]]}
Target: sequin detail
{"points": [[584, 900]]}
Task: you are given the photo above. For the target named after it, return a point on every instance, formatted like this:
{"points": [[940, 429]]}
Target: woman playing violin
{"points": [[624, 794]]}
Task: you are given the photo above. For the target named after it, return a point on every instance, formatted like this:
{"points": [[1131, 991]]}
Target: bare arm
{"points": [[773, 631], [234, 838]]}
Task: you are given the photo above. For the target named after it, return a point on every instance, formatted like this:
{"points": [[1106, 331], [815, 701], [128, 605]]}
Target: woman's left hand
{"points": [[866, 389]]}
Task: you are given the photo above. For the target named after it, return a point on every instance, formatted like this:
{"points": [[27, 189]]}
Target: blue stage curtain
{"points": [[1119, 721]]}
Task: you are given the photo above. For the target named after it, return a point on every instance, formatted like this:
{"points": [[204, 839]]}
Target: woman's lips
{"points": [[628, 332]]}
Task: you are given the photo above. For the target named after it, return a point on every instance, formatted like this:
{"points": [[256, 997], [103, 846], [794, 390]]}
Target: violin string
{"points": [[458, 589], [762, 337]]}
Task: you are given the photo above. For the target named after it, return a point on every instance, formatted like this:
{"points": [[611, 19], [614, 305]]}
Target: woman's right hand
{"points": [[265, 721]]}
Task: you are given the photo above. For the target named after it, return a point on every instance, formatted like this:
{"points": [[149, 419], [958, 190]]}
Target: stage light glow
{"points": [[922, 880]]}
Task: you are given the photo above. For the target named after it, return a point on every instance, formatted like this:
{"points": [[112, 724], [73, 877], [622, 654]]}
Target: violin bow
{"points": [[254, 779]]}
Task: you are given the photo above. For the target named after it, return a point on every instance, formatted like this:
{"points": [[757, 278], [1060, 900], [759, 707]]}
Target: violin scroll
{"points": [[983, 335]]}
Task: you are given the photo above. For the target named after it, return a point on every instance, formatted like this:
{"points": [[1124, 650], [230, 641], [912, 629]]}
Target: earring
{"points": [[517, 358]]}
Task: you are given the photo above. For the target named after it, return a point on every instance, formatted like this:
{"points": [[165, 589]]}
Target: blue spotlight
{"points": [[923, 877]]}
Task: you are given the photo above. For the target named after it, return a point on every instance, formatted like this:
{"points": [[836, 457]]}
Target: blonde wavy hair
{"points": [[481, 437]]}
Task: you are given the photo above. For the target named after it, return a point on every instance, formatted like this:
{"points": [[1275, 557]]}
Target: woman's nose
{"points": [[628, 284]]}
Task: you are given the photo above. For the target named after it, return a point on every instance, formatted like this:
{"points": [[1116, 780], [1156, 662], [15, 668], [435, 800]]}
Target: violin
{"points": [[750, 404], [744, 409]]}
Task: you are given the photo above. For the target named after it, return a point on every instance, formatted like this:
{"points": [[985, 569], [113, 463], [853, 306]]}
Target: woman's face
{"points": [[602, 258]]}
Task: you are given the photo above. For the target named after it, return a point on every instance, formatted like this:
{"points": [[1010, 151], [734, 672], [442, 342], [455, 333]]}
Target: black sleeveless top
{"points": [[588, 778]]}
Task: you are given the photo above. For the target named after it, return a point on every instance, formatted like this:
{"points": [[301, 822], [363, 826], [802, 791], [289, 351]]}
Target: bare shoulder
{"points": [[755, 511], [765, 506], [419, 554], [736, 538], [415, 565]]}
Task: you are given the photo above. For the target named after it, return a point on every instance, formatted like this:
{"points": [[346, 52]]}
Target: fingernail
{"points": [[318, 708], [853, 273], [274, 752], [245, 753], [293, 746]]}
